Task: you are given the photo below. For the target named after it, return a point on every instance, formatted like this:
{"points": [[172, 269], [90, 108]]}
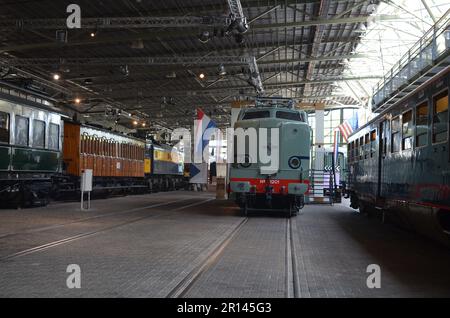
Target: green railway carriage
{"points": [[35, 165], [399, 162], [257, 185], [30, 152]]}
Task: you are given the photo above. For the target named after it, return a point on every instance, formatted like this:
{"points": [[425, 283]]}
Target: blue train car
{"points": [[399, 162]]}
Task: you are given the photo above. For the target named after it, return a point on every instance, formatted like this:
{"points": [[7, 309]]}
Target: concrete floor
{"points": [[187, 244]]}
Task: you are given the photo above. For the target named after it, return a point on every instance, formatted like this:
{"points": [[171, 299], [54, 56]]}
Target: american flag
{"points": [[349, 126]]}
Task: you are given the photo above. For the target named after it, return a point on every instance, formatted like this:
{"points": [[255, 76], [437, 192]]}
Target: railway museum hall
{"points": [[224, 148]]}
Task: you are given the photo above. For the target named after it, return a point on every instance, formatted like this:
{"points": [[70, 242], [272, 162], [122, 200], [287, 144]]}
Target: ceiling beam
{"points": [[167, 60], [200, 92]]}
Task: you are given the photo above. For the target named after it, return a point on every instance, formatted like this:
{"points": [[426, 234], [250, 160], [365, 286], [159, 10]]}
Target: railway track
{"points": [[292, 280], [50, 227], [77, 237], [189, 280], [214, 255]]}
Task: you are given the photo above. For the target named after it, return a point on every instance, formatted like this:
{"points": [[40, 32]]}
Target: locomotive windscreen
{"points": [[290, 116], [256, 115]]}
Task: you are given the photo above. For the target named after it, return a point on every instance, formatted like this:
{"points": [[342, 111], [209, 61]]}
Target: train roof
{"points": [[105, 131], [31, 104], [402, 100]]}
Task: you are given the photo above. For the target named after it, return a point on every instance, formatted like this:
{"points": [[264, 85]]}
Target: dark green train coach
{"points": [[30, 152], [400, 161]]}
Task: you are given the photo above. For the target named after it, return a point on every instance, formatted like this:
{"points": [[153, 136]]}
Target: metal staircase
{"points": [[321, 189]]}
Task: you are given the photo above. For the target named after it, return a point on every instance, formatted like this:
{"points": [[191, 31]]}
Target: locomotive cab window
{"points": [[395, 135], [422, 125], [440, 117], [4, 127], [290, 116], [38, 133], [256, 115], [22, 130], [53, 136], [407, 130]]}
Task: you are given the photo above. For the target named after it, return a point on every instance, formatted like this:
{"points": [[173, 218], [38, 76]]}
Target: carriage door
{"points": [[382, 148]]}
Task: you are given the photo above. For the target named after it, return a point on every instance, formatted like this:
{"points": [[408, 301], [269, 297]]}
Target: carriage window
{"points": [[4, 127], [366, 147], [440, 117], [53, 137], [384, 138], [395, 135], [290, 116], [422, 125], [350, 152], [256, 115], [407, 130], [22, 130], [373, 138], [38, 133], [361, 145]]}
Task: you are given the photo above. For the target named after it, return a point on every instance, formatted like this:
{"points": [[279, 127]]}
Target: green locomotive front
{"points": [[30, 152], [255, 184]]}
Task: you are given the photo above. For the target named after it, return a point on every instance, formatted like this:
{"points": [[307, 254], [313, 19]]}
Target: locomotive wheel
{"points": [[293, 210]]}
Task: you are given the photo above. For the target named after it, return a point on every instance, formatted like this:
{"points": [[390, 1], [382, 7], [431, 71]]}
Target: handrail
{"points": [[428, 38]]}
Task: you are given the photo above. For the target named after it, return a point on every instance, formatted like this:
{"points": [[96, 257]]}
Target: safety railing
{"points": [[321, 188], [433, 46]]}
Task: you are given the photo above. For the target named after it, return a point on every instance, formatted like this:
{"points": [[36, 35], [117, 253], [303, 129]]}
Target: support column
{"points": [[319, 136]]}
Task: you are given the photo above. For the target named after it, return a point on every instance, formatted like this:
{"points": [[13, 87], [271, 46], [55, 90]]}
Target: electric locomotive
{"points": [[399, 162], [257, 185]]}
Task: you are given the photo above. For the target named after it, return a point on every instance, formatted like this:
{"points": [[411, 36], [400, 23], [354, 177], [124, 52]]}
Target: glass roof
{"points": [[384, 42]]}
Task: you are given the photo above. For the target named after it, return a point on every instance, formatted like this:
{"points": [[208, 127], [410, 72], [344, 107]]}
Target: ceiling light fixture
{"points": [[204, 36], [56, 76], [222, 70], [202, 75]]}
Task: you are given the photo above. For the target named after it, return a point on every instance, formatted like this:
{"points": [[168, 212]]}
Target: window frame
{"points": [[15, 131], [58, 136], [398, 117], [34, 135], [373, 141], [366, 145], [301, 119], [421, 103], [254, 112], [433, 98], [8, 129], [402, 146], [361, 147]]}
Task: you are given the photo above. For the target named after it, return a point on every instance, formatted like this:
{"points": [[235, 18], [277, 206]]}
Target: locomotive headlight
{"points": [[294, 162], [247, 162]]}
